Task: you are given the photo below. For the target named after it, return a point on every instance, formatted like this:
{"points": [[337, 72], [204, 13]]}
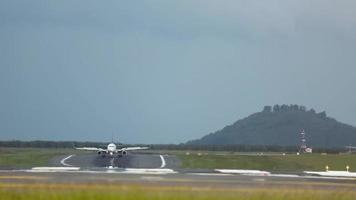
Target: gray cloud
{"points": [[168, 71]]}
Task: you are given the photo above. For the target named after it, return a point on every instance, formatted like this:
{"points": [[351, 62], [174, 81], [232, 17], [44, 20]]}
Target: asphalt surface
{"points": [[95, 169], [132, 160]]}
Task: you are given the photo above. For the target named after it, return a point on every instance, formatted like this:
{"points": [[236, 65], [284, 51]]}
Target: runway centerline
{"points": [[112, 163]]}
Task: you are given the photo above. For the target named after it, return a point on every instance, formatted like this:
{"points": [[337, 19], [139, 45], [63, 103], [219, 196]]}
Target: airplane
{"points": [[111, 149]]}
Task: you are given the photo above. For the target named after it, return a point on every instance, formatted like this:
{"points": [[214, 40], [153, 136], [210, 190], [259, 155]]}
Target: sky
{"points": [[163, 71]]}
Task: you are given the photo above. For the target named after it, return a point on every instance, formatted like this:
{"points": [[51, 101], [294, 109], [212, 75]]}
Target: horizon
{"points": [[169, 72], [120, 142]]}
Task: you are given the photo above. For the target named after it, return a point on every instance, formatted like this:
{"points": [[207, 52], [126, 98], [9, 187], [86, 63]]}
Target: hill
{"points": [[280, 125]]}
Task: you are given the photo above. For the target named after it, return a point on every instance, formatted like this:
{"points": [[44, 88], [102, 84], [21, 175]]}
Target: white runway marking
{"points": [[244, 172], [209, 174], [147, 171], [286, 175], [333, 173], [63, 161], [154, 172], [111, 163], [163, 161], [53, 169]]}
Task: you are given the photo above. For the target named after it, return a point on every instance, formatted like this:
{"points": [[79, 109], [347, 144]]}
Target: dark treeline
{"points": [[292, 107], [48, 144], [241, 148], [284, 107], [232, 148]]}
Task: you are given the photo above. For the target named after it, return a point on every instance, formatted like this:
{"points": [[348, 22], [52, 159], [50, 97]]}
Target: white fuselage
{"points": [[111, 148]]}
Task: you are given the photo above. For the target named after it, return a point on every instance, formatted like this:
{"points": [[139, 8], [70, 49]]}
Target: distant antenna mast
{"points": [[303, 144]]}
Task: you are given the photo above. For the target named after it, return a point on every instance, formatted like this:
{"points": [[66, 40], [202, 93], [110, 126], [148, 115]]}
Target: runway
{"points": [[132, 160], [138, 168]]}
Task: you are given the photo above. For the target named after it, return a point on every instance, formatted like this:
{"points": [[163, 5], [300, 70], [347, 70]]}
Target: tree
{"points": [[312, 111], [322, 115], [267, 109], [302, 108], [295, 107], [276, 108], [284, 107]]}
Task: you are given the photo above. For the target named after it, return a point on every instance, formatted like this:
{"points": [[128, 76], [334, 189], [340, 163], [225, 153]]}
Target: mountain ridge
{"points": [[281, 125]]}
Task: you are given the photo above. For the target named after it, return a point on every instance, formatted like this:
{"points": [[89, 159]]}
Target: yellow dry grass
{"points": [[139, 191]]}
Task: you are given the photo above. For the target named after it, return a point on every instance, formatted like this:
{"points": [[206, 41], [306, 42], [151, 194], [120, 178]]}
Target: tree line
{"points": [[292, 107], [284, 107], [47, 144], [232, 148]]}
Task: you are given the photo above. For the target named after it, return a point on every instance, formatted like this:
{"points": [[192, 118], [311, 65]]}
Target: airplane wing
{"points": [[133, 148], [90, 149]]}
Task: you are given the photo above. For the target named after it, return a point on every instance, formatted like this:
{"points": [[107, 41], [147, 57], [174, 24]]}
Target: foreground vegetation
{"points": [[278, 162], [30, 157], [137, 192]]}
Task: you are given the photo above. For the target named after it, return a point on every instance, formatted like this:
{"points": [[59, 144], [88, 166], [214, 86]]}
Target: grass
{"points": [[137, 192], [268, 162], [29, 157]]}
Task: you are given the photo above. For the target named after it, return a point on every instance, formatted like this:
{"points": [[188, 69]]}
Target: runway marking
{"points": [[63, 161], [158, 171], [53, 169], [111, 163], [244, 172], [209, 174], [163, 161], [286, 175], [333, 173], [147, 171], [116, 170]]}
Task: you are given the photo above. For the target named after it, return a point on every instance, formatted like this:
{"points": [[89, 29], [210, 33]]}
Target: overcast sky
{"points": [[169, 71]]}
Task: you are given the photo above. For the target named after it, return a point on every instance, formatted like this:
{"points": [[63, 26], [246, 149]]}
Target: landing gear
{"points": [[102, 154]]}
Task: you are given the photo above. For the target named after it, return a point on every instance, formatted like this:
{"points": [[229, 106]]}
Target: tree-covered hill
{"points": [[281, 125]]}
